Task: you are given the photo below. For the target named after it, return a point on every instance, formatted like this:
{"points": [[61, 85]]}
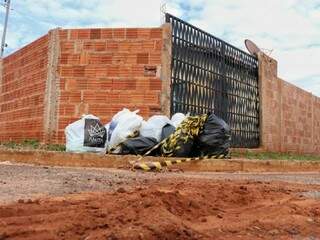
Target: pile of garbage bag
{"points": [[129, 133]]}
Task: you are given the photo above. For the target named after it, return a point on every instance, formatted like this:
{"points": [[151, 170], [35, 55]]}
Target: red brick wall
{"points": [[103, 70], [22, 89], [290, 116], [316, 124], [297, 119]]}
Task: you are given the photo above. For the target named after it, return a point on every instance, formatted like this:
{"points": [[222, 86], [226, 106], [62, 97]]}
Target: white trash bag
{"points": [[123, 125], [153, 127], [177, 118], [86, 135]]}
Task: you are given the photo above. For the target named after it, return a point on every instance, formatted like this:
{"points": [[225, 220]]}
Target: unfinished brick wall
{"points": [[69, 72], [102, 71], [22, 90], [316, 124], [290, 116]]}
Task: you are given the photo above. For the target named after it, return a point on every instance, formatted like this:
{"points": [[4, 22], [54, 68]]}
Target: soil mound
{"points": [[169, 209]]}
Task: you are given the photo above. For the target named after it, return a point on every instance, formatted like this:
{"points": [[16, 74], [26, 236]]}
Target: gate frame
{"points": [[167, 80]]}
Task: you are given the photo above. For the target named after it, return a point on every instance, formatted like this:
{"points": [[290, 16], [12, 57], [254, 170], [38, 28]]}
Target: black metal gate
{"points": [[210, 75]]}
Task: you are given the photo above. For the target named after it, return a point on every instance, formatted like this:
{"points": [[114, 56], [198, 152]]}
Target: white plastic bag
{"points": [[177, 118], [126, 124], [153, 127], [109, 132], [122, 114], [115, 119], [86, 135]]}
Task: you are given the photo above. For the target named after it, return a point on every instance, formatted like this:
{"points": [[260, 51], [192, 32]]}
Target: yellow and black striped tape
{"points": [[156, 166]]}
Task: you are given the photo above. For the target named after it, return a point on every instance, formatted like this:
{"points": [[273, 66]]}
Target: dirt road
{"points": [[77, 203]]}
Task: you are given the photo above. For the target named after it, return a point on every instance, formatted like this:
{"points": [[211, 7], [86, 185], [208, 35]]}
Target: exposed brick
{"points": [[155, 84], [155, 58], [288, 113], [100, 110], [69, 58], [95, 33], [113, 71], [143, 33], [123, 46], [83, 58], [63, 34], [22, 92], [119, 33], [124, 84], [156, 33], [106, 33], [65, 121], [148, 45], [143, 84], [78, 71], [66, 109], [80, 34], [67, 46], [158, 45], [156, 110], [132, 33], [96, 71], [100, 58], [66, 71], [152, 97], [112, 45], [95, 97], [94, 45], [102, 83], [74, 96], [124, 58], [100, 71], [142, 58], [76, 84]]}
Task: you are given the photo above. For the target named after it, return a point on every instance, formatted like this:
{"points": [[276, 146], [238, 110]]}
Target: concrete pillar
{"points": [[270, 104], [166, 69], [51, 104], [1, 65]]}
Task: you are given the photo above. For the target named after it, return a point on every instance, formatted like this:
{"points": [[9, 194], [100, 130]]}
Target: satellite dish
{"points": [[252, 47]]}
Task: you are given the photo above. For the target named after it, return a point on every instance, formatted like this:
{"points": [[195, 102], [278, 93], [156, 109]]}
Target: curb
{"points": [[122, 161]]}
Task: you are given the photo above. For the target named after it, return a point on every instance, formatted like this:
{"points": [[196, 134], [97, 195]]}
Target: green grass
{"points": [[55, 147], [274, 156], [32, 144]]}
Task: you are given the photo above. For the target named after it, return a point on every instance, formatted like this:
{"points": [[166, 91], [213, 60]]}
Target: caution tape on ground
{"points": [[156, 166]]}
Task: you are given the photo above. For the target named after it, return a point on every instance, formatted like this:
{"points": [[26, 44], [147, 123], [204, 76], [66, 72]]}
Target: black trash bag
{"points": [[138, 145], [184, 147], [167, 130], [181, 142], [184, 150], [215, 137]]}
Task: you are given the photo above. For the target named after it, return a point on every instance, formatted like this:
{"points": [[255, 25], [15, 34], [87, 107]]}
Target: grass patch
{"points": [[55, 147], [274, 156], [32, 144]]}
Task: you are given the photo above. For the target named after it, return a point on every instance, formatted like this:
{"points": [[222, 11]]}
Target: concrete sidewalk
{"points": [[118, 161]]}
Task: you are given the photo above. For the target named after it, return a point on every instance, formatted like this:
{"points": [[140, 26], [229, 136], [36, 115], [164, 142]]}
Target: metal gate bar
{"points": [[210, 75]]}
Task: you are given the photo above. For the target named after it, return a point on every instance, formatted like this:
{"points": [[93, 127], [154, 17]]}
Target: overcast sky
{"points": [[291, 28]]}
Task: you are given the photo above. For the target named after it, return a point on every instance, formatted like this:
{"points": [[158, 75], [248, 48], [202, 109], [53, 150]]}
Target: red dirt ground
{"points": [[170, 209]]}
